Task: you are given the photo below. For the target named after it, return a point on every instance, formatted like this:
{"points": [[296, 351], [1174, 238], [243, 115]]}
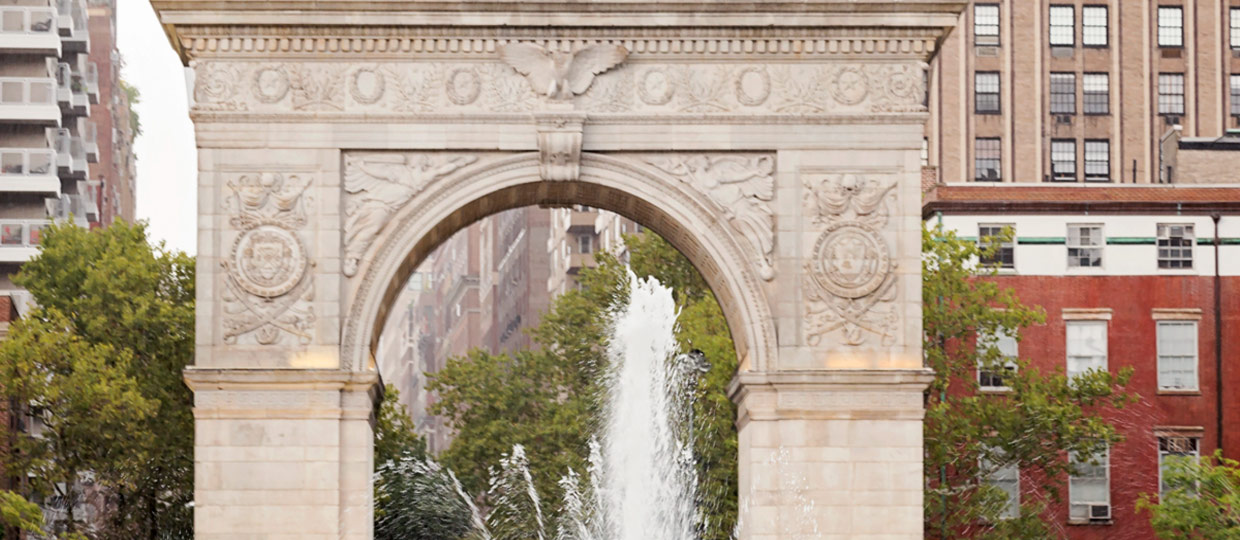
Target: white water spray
{"points": [[647, 489]]}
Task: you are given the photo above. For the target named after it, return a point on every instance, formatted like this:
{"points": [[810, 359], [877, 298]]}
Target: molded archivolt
{"points": [[501, 182]]}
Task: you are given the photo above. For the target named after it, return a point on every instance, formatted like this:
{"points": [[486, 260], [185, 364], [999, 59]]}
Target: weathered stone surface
{"points": [[775, 144]]}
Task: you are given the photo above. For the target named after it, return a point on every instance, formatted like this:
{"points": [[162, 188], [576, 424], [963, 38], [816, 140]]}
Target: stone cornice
{"points": [[404, 42]]}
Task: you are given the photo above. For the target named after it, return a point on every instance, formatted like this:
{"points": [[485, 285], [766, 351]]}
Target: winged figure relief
{"points": [[376, 185], [560, 75]]}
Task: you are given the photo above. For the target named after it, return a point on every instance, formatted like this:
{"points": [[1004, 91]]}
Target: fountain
{"points": [[641, 480]]}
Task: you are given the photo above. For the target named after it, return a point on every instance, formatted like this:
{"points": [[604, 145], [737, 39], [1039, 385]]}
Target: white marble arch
{"points": [[619, 183], [777, 144]]}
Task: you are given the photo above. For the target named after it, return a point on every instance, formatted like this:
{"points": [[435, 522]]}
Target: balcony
{"points": [[71, 22], [29, 100], [81, 206], [73, 90], [90, 79], [70, 155], [90, 141], [29, 170], [19, 238], [29, 30]]}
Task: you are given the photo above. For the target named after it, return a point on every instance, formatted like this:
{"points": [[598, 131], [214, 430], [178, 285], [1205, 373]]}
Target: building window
{"points": [[986, 24], [1006, 478], [1170, 26], [1235, 28], [1089, 487], [995, 378], [1087, 346], [1063, 160], [1098, 161], [1175, 246], [1063, 26], [1235, 92], [986, 92], [1096, 88], [1094, 26], [1171, 93], [1171, 448], [1063, 93], [987, 154], [1084, 246], [1005, 256], [1177, 355], [585, 244]]}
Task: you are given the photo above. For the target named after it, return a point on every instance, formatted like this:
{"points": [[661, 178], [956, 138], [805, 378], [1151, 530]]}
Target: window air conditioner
{"points": [[1063, 119], [1171, 119], [1099, 512]]}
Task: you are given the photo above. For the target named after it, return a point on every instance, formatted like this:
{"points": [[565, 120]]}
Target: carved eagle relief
{"points": [[560, 75]]}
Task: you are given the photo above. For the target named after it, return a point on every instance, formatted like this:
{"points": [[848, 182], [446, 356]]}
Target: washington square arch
{"points": [[776, 144]]}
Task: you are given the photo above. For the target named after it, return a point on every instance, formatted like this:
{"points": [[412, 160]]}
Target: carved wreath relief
{"points": [[523, 76], [741, 188], [378, 184], [267, 287], [849, 283]]}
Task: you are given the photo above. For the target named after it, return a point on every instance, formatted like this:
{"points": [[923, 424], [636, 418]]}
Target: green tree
{"points": [[1202, 501], [117, 291], [547, 400], [87, 412], [415, 499], [970, 435]]}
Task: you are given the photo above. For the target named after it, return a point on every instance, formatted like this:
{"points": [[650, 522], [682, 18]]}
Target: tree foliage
{"points": [[548, 399], [119, 314], [1202, 501], [415, 499], [969, 434]]}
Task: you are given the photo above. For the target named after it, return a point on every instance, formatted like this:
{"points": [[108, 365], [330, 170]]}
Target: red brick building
{"points": [[1146, 277]]}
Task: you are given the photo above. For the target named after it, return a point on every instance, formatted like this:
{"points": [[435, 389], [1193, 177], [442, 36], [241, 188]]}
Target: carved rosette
{"points": [[268, 289], [377, 184], [740, 187], [488, 86], [849, 277]]}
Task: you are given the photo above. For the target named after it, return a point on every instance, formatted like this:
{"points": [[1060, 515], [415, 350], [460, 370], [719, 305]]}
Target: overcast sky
{"points": [[167, 161]]}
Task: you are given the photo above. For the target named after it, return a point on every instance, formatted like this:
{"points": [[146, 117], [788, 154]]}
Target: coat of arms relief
{"points": [[849, 280], [268, 290]]}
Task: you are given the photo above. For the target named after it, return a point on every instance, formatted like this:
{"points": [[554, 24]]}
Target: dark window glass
{"points": [[987, 154]]}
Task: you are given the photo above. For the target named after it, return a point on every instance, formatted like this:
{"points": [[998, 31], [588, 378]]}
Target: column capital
{"points": [[830, 395]]}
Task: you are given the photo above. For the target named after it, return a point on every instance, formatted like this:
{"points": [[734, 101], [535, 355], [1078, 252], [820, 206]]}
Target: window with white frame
{"points": [[986, 92], [1005, 255], [1235, 93], [1170, 26], [1063, 26], [1084, 246], [987, 152], [986, 24], [1175, 246], [995, 377], [1171, 93], [1094, 26], [1171, 448], [1063, 93], [1086, 347], [1096, 90], [1098, 161], [1006, 477], [1177, 355], [1235, 28], [1063, 160], [1089, 487]]}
